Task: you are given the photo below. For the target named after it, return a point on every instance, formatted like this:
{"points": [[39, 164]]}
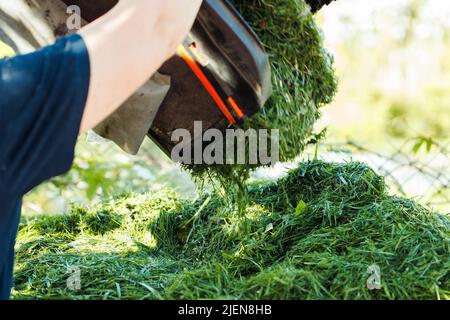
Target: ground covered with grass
{"points": [[310, 235]]}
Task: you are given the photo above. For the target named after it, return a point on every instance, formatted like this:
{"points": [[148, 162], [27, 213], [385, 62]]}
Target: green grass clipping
{"points": [[314, 234]]}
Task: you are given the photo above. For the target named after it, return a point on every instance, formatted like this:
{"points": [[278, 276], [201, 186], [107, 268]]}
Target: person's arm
{"points": [[46, 94], [129, 44]]}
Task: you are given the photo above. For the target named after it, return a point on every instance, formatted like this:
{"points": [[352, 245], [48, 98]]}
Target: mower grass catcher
{"points": [[219, 76]]}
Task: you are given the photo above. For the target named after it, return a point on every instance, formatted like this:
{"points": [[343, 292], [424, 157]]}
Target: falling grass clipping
{"points": [[315, 234], [303, 79]]}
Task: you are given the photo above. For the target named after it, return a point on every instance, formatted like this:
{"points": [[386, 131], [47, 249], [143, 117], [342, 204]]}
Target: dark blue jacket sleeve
{"points": [[42, 99]]}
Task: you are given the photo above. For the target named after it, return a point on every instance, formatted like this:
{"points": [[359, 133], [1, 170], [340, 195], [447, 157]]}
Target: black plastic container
{"points": [[227, 53], [233, 59]]}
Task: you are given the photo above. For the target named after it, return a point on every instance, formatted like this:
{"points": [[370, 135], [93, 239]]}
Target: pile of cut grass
{"points": [[310, 235], [303, 80]]}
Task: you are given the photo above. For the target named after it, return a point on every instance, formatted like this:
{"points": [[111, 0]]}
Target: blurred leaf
{"points": [[421, 141], [5, 50], [301, 208]]}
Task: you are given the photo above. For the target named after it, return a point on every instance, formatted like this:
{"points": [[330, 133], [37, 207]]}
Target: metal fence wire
{"points": [[422, 175]]}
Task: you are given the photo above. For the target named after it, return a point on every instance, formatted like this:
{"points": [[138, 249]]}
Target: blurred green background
{"points": [[393, 61], [392, 111]]}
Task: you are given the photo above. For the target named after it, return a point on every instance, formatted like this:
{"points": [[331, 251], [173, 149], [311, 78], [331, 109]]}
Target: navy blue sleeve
{"points": [[42, 99]]}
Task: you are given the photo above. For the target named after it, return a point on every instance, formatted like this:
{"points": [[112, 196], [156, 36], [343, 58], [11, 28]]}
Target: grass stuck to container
{"points": [[326, 231], [303, 80]]}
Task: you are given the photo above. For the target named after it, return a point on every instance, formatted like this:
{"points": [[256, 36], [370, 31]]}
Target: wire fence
{"points": [[411, 170], [414, 168]]}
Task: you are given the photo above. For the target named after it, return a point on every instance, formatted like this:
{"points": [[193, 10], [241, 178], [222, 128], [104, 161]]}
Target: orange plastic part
{"points": [[184, 54], [236, 108]]}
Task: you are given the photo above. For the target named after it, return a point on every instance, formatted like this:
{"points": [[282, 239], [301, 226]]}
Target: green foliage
{"points": [[392, 84], [310, 235], [424, 141], [102, 170]]}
